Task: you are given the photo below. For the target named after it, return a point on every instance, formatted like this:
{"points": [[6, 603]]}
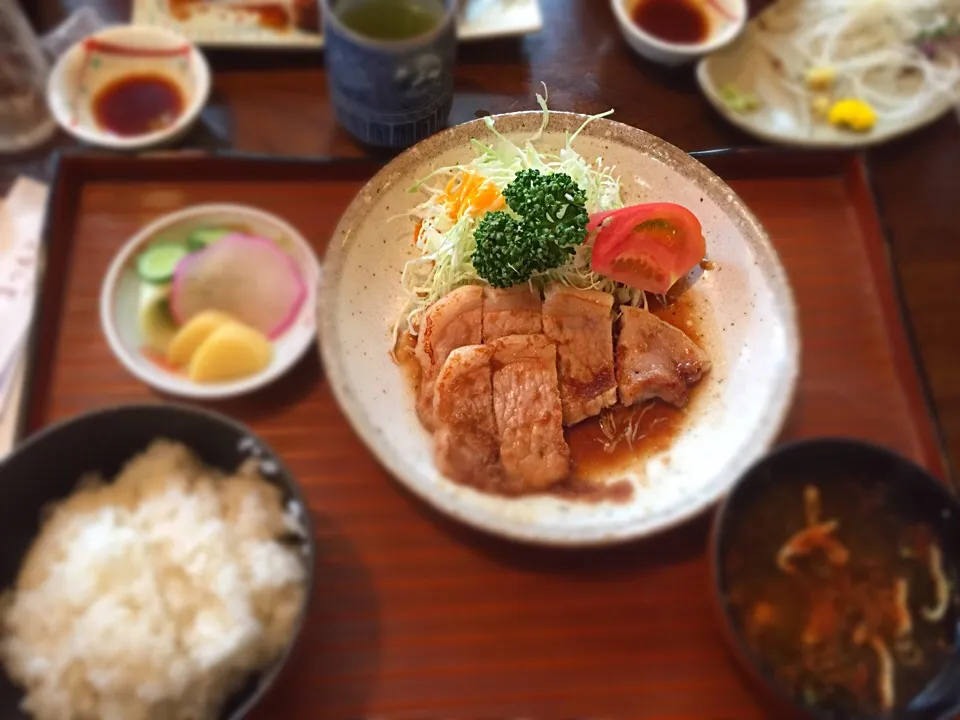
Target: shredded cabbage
{"points": [[446, 243]]}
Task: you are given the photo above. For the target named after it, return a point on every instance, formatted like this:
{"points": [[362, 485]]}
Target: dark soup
{"points": [[138, 104], [846, 604]]}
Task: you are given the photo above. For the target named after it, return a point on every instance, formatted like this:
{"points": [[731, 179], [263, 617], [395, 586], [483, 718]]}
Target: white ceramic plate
{"points": [[119, 300], [749, 324], [746, 66], [480, 19]]}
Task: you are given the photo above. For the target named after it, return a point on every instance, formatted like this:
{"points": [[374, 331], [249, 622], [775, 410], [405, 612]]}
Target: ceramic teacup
{"points": [[390, 93]]}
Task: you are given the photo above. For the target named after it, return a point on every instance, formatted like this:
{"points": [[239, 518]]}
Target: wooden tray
{"points": [[416, 615]]}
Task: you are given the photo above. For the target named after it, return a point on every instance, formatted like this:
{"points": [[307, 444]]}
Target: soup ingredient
{"points": [[648, 246], [155, 596], [390, 19], [446, 241], [191, 336], [156, 323], [835, 612], [677, 21], [655, 359], [247, 277], [862, 50], [138, 104], [852, 114], [941, 585], [158, 262], [451, 322], [547, 222], [202, 237], [231, 352], [513, 311], [580, 323]]}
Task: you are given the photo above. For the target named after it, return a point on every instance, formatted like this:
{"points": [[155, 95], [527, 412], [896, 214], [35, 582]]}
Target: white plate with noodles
{"points": [[836, 73], [377, 286]]}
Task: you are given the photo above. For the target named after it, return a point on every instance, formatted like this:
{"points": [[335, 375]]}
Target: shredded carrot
{"points": [[416, 231], [470, 194]]}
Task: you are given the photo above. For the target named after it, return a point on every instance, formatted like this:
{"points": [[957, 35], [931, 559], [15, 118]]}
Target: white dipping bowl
{"points": [[107, 56], [725, 26], [120, 301]]}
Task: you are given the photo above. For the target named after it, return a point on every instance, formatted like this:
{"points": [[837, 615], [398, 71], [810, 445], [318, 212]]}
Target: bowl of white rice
{"points": [[158, 562]]}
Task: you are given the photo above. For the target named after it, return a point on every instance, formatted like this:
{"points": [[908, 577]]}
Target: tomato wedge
{"points": [[648, 246]]}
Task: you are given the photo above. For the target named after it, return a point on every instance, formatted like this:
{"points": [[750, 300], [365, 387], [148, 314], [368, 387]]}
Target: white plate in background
{"points": [[749, 68], [480, 20]]}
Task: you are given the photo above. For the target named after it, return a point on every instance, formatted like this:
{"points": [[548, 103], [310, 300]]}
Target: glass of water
{"points": [[25, 120]]}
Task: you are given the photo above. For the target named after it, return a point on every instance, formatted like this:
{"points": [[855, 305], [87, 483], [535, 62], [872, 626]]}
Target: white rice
{"points": [[155, 596]]}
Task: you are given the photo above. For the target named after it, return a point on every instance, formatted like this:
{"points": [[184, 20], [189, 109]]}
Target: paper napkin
{"points": [[21, 221]]}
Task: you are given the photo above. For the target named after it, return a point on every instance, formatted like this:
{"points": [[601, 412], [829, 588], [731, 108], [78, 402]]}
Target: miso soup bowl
{"points": [[914, 491]]}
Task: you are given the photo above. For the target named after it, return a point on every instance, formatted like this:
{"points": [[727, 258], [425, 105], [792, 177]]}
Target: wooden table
{"points": [[278, 103]]}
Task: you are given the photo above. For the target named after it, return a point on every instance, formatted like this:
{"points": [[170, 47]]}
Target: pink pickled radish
{"points": [[247, 277]]}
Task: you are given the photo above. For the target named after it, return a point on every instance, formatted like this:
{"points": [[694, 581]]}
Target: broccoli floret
{"points": [[549, 221]]}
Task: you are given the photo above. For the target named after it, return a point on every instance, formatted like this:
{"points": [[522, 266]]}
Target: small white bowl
{"points": [[725, 26], [98, 60], [120, 300]]}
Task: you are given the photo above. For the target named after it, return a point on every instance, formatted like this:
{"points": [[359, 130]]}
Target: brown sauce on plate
{"points": [[675, 21], [138, 104], [617, 440]]}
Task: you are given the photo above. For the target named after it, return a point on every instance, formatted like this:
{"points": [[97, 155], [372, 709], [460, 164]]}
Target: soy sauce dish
{"points": [[129, 87], [835, 565], [674, 32]]}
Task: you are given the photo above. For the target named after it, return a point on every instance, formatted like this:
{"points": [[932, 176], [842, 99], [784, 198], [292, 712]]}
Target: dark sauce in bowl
{"points": [[138, 105], [677, 21]]}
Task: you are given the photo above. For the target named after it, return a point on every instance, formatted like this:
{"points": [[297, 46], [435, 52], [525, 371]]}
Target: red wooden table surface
{"points": [[278, 103], [416, 615]]}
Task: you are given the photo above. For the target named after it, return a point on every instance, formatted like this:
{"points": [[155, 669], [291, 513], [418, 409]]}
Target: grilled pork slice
{"points": [[533, 451], [451, 322], [467, 443], [514, 311], [655, 359], [580, 323]]}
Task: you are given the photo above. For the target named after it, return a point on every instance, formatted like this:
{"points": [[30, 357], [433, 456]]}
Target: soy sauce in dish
{"points": [[138, 104], [676, 21]]}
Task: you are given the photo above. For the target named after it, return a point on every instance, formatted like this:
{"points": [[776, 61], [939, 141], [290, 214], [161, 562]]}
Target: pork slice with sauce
{"points": [[513, 311], [580, 323], [467, 442], [526, 403], [655, 359], [451, 322]]}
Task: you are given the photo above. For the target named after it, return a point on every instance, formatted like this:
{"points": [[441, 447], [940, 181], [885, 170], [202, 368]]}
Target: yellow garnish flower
{"points": [[856, 115]]}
